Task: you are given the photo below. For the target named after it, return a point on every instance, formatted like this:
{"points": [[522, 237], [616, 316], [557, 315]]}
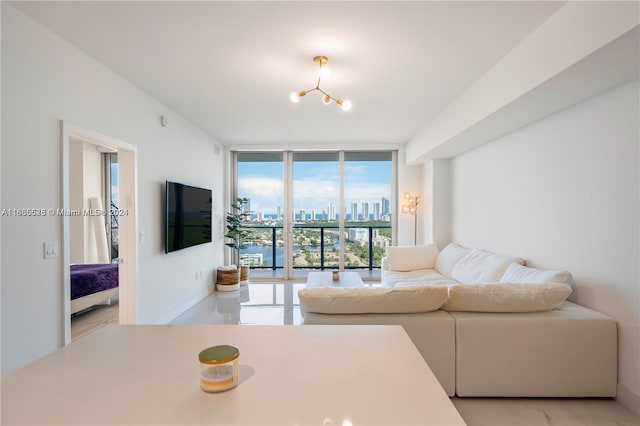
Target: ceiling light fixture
{"points": [[323, 72]]}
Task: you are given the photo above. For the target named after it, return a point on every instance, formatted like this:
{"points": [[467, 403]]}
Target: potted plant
{"points": [[238, 232]]}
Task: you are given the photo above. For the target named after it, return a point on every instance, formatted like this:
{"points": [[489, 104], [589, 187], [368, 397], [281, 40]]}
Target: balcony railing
{"points": [[317, 246]]}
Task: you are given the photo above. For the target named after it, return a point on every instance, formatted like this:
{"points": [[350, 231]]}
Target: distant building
{"points": [[365, 211], [381, 243], [313, 215], [386, 207], [332, 212], [279, 214], [303, 215], [358, 234], [376, 211], [260, 216], [354, 211], [251, 259]]}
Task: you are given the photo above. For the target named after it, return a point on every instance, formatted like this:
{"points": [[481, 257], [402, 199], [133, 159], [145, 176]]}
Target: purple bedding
{"points": [[92, 278]]}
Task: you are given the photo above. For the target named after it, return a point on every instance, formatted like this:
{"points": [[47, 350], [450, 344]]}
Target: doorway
{"points": [[88, 234]]}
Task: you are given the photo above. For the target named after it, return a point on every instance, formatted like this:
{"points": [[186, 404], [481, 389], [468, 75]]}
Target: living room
{"points": [[516, 123]]}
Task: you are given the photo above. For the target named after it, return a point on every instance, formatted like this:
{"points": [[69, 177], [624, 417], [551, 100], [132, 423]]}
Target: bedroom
{"points": [[93, 184]]}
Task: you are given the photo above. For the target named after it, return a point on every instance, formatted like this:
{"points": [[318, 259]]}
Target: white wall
{"points": [[76, 194], [563, 193], [91, 187], [436, 199], [409, 180], [45, 80]]}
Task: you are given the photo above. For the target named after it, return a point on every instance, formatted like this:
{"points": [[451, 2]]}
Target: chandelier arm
{"points": [[325, 93]]}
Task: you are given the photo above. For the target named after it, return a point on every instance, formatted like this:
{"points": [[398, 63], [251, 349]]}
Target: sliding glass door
{"points": [[316, 197], [315, 211]]}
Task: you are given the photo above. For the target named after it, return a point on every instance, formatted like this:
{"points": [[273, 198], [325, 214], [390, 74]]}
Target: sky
{"points": [[315, 184]]}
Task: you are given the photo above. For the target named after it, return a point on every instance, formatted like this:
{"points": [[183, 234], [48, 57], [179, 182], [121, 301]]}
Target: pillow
{"points": [[521, 274], [506, 297], [448, 258], [372, 300], [481, 266], [411, 258]]}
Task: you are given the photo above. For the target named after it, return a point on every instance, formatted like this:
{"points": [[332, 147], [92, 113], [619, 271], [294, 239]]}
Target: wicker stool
{"points": [[228, 278]]}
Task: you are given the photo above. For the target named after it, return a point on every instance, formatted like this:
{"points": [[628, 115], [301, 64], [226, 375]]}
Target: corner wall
{"points": [[46, 80], [564, 193]]}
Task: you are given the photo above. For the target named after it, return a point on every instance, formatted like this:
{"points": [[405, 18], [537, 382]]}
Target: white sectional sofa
{"points": [[485, 324]]}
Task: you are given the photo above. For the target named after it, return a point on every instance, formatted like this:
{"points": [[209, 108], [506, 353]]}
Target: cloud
{"points": [[315, 191], [265, 193]]}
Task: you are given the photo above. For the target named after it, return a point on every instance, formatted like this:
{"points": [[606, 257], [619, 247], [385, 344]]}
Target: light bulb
{"points": [[295, 96], [346, 105], [324, 72], [326, 99]]}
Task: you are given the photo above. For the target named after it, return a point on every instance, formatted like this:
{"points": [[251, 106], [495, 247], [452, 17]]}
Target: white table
{"points": [[149, 374], [325, 279]]}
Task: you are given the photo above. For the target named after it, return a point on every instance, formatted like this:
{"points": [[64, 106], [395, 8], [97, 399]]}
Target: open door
{"points": [[127, 209]]}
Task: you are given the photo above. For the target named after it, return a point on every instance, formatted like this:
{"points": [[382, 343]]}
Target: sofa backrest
{"points": [[449, 257], [411, 258], [481, 266]]}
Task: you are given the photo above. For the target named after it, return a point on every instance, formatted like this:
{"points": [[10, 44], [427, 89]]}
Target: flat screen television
{"points": [[188, 216]]}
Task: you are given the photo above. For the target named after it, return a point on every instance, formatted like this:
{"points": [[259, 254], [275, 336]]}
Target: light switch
{"points": [[50, 249]]}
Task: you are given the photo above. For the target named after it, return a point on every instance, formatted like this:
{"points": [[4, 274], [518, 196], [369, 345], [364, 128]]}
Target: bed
{"points": [[92, 284]]}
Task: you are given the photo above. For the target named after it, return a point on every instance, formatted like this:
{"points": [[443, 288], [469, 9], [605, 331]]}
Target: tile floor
{"points": [[277, 303]]}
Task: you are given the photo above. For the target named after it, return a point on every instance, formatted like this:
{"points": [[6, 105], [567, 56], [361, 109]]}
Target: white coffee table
{"points": [[325, 279], [149, 374]]}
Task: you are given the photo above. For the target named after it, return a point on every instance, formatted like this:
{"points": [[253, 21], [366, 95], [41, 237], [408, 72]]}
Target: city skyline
{"points": [[363, 211]]}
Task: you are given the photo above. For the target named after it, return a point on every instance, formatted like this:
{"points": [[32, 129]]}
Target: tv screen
{"points": [[188, 216]]}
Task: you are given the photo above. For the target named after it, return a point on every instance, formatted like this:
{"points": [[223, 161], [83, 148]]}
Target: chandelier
{"points": [[323, 72]]}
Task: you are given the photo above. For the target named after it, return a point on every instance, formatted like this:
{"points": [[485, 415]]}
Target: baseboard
{"points": [[628, 398], [183, 306]]}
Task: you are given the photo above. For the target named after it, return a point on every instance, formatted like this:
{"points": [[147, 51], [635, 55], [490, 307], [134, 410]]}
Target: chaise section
{"points": [[570, 352], [432, 333]]}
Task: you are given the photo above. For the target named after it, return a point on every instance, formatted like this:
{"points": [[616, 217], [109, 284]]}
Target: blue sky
{"points": [[315, 184]]}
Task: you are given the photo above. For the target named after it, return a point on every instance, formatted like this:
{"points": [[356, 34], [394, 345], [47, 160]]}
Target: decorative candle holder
{"points": [[336, 275], [219, 368]]}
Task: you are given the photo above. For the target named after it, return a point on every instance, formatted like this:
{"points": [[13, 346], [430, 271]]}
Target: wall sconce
{"points": [[410, 206]]}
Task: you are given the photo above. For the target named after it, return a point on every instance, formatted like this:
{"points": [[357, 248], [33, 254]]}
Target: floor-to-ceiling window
{"points": [[367, 191], [111, 201], [315, 210], [260, 179]]}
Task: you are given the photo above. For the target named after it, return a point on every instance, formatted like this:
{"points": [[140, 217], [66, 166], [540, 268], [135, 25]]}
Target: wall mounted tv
{"points": [[188, 216]]}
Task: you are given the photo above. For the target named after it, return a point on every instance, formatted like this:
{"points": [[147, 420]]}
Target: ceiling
{"points": [[229, 67]]}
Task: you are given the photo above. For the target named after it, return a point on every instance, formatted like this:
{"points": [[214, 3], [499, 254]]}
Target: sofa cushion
{"points": [[448, 258], [506, 297], [392, 278], [374, 300], [481, 266], [516, 273], [410, 258], [444, 281]]}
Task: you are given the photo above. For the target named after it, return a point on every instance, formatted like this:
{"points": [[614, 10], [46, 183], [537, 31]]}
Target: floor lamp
{"points": [[410, 206]]}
